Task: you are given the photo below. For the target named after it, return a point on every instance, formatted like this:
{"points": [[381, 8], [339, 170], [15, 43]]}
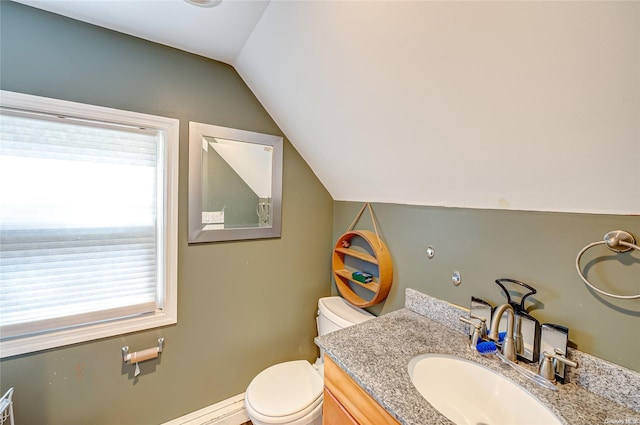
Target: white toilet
{"points": [[291, 393]]}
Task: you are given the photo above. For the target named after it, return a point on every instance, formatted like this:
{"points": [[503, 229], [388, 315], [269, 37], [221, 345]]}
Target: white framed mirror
{"points": [[235, 184]]}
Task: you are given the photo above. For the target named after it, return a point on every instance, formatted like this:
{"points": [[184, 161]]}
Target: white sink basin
{"points": [[469, 393]]}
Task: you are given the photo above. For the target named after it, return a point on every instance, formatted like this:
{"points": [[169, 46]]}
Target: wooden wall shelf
{"points": [[376, 256]]}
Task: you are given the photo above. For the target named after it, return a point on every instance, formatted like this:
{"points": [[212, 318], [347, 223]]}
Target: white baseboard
{"points": [[227, 412]]}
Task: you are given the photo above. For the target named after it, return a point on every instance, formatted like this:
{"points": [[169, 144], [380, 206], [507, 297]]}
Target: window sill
{"points": [[66, 337]]}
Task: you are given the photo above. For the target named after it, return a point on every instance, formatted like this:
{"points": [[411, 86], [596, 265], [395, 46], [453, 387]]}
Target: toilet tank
{"points": [[334, 313]]}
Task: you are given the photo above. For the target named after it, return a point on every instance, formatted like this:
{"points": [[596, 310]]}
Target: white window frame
{"points": [[168, 315]]}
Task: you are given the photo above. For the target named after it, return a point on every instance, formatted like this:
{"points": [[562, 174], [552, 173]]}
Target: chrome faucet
{"points": [[508, 345]]}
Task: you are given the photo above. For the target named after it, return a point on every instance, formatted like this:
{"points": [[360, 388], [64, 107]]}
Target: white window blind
{"points": [[81, 222]]}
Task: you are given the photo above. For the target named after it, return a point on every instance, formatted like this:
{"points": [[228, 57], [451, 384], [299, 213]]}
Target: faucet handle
{"points": [[483, 325], [561, 357], [470, 322], [476, 332], [547, 368]]}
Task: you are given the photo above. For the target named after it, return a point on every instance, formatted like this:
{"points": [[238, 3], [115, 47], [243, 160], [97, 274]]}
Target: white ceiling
{"points": [[214, 32], [506, 105]]}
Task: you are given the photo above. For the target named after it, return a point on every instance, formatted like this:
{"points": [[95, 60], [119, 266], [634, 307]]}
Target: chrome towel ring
{"points": [[617, 241]]}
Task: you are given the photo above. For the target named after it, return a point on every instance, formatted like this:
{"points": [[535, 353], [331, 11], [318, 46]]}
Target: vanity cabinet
{"points": [[346, 403]]}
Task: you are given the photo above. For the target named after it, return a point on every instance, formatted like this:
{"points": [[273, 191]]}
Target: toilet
{"points": [[291, 392]]}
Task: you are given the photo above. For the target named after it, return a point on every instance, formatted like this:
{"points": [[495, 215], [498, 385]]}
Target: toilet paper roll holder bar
{"points": [[139, 356]]}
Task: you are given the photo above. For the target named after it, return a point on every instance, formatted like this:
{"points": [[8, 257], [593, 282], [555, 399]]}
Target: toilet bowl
{"points": [[287, 393], [291, 393]]}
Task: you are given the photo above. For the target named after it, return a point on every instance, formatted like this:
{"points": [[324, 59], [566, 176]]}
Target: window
{"points": [[88, 222]]}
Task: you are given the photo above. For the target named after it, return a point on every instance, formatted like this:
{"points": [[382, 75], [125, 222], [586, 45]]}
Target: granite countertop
{"points": [[376, 355]]}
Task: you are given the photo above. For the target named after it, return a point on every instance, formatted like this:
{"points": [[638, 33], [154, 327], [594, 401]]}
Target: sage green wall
{"points": [[242, 306], [537, 248]]}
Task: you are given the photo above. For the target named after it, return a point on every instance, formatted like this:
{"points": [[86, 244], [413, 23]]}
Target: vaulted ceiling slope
{"points": [[507, 105], [216, 32]]}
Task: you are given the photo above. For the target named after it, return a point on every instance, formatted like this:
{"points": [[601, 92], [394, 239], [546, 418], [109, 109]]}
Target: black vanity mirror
{"points": [[235, 184]]}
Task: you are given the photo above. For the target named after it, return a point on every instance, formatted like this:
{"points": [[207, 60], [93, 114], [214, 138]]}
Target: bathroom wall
{"points": [[534, 247], [242, 306]]}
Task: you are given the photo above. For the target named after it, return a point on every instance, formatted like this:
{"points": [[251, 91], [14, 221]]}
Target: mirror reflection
{"points": [[234, 184], [238, 189]]}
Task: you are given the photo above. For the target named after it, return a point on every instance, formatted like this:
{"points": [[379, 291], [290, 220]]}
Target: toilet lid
{"points": [[285, 389], [340, 312]]}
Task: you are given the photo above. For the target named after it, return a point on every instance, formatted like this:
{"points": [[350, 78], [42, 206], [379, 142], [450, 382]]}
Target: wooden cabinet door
{"points": [[334, 413], [353, 399]]}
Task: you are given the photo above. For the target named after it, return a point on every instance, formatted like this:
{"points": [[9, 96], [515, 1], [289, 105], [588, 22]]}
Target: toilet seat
{"points": [[285, 392]]}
